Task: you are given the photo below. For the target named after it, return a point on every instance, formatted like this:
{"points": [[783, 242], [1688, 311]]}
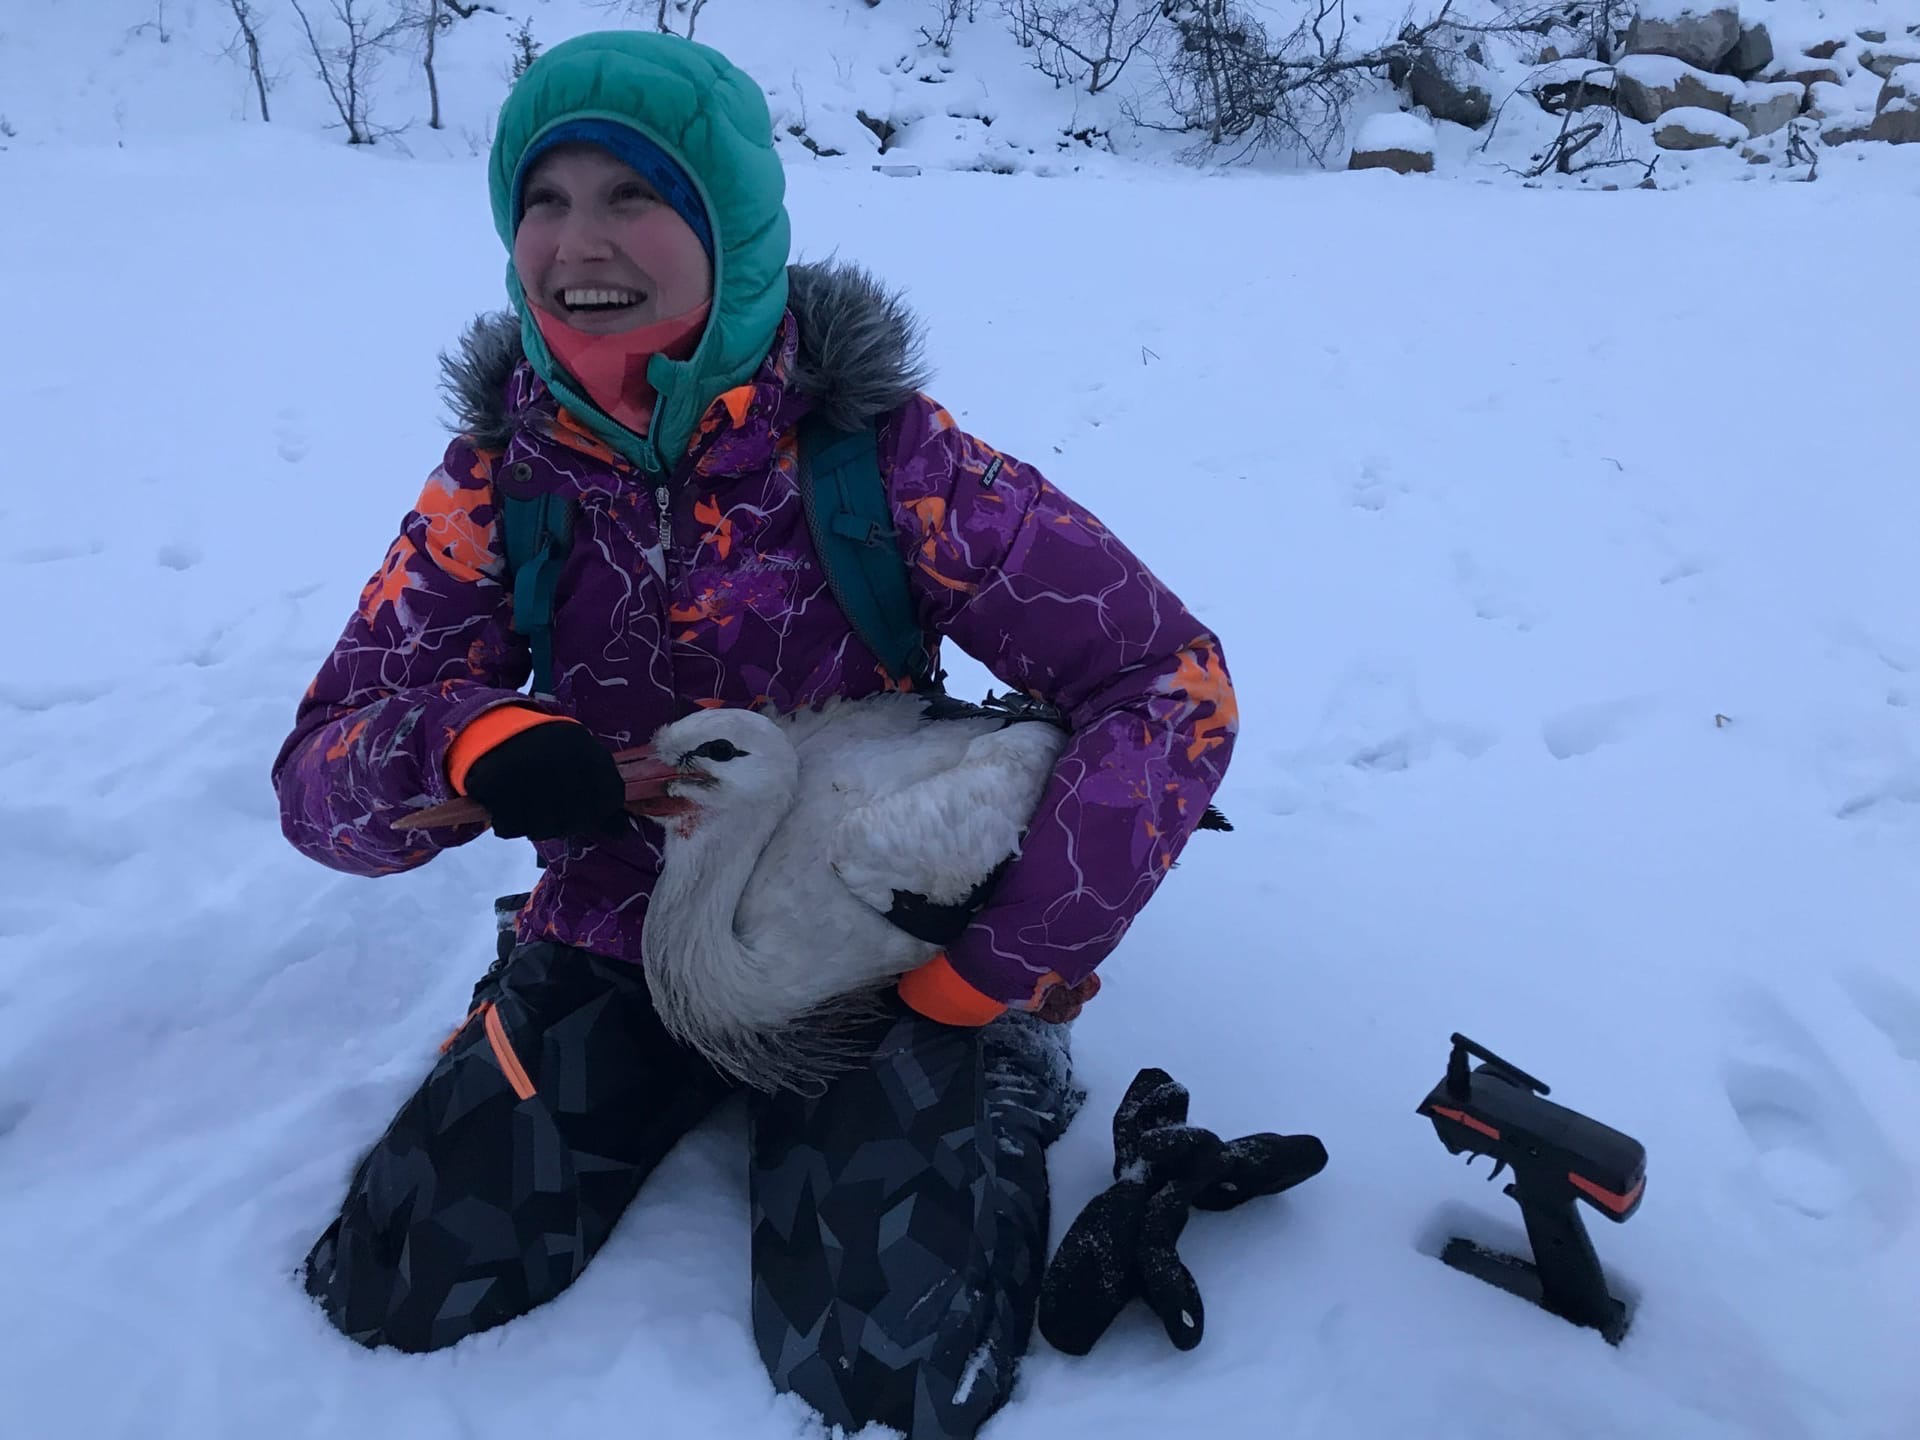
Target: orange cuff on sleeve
{"points": [[487, 730], [936, 991]]}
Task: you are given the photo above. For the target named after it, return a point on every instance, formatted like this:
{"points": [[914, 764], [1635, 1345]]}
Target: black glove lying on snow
{"points": [[1122, 1244]]}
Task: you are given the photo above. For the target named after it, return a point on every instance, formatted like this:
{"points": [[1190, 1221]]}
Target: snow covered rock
{"points": [[1764, 109], [1801, 71], [1843, 132], [1897, 119], [1831, 102], [1826, 49], [1884, 59], [1751, 53], [1691, 128], [1397, 141], [1651, 85], [1700, 32], [1871, 36], [1573, 85], [1452, 87]]}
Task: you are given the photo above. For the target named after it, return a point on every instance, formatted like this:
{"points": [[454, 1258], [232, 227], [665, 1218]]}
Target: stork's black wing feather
{"points": [[942, 924], [1008, 709]]}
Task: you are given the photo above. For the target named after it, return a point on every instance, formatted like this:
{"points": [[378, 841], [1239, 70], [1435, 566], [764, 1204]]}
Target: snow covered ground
{"points": [[1491, 549], [1563, 547]]}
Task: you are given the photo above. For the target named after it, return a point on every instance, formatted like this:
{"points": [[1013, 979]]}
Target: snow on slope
{"points": [[1489, 555], [88, 73], [97, 72]]}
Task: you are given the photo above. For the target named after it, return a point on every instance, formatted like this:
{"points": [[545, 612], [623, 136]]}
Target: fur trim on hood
{"points": [[860, 355]]}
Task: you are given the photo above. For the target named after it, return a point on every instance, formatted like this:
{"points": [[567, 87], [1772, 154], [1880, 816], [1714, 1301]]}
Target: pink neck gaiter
{"points": [[613, 368]]}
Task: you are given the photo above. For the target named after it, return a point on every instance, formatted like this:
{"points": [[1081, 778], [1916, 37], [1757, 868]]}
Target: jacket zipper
{"points": [[663, 500]]}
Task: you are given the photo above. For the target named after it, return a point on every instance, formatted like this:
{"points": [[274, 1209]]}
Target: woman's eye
{"points": [[542, 199], [631, 194]]}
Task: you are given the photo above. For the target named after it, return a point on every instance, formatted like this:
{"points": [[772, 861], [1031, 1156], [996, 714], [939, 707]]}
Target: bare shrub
{"points": [[1231, 81], [347, 66], [948, 15], [158, 24], [1084, 41], [663, 12], [526, 50]]}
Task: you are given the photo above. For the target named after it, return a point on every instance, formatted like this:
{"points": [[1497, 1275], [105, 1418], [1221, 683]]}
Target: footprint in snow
{"points": [[1493, 596], [1797, 1163], [37, 697], [1375, 487], [55, 553], [1820, 1159], [1374, 722], [179, 555], [290, 436], [1890, 1006], [1895, 797], [1585, 728], [1896, 655], [1686, 567]]}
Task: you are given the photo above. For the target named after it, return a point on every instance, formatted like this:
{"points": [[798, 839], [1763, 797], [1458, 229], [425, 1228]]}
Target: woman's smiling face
{"points": [[598, 248]]}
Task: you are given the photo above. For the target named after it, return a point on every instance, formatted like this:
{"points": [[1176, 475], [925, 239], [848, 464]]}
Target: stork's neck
{"points": [[697, 969]]}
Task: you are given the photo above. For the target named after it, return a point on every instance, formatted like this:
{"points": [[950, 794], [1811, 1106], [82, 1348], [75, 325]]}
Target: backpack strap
{"points": [[539, 531], [845, 499]]}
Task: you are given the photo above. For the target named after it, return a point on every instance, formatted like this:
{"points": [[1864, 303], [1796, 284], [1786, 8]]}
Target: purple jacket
{"points": [[726, 604]]}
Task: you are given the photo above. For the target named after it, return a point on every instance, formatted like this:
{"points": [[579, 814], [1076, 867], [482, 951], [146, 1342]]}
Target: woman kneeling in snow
{"points": [[655, 375]]}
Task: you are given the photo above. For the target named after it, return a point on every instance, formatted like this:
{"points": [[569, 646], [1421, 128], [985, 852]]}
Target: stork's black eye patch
{"points": [[716, 750]]}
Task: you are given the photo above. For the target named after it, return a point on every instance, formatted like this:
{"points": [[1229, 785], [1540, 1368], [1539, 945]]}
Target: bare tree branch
{"points": [[249, 38], [1801, 150], [951, 13], [434, 19], [1090, 40], [158, 24], [661, 21], [1232, 82], [1582, 128], [347, 69]]}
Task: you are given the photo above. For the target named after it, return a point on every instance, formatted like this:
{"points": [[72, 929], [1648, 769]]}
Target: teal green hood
{"points": [[711, 118]]}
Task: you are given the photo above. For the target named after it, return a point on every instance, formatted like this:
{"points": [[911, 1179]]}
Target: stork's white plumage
{"points": [[768, 932]]}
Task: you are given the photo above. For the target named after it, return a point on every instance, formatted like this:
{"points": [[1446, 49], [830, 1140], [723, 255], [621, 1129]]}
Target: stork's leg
{"points": [[505, 1172], [889, 1284]]}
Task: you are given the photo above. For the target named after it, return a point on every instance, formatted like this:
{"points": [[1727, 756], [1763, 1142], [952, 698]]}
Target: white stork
{"points": [[812, 859]]}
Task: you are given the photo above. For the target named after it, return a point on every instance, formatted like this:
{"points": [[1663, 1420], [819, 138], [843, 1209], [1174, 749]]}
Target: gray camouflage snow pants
{"points": [[899, 1219]]}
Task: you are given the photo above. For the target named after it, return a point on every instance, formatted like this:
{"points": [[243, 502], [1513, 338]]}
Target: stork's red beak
{"points": [[647, 778]]}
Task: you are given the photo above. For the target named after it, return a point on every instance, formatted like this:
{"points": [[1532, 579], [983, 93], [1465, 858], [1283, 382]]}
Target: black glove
{"points": [[1122, 1244], [550, 781]]}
